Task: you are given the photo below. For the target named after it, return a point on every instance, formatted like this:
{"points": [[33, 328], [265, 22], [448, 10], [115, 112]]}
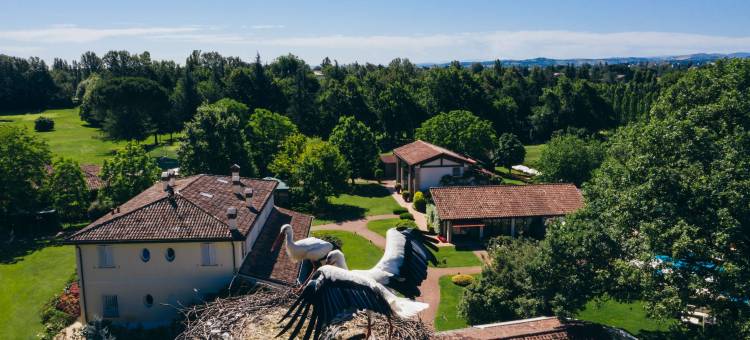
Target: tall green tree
{"points": [[22, 170], [266, 131], [357, 143], [215, 139], [569, 158], [66, 190], [285, 160], [129, 172], [460, 131], [130, 108], [508, 151], [322, 171]]}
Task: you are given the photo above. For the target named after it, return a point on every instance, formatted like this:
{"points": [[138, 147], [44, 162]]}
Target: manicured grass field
{"points": [[533, 152], [27, 282], [362, 253], [447, 317], [628, 316], [73, 138], [366, 199], [382, 226], [448, 256]]}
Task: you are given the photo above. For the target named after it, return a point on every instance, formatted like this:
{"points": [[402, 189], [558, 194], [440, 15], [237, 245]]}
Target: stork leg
{"points": [[390, 328], [369, 326], [309, 275]]}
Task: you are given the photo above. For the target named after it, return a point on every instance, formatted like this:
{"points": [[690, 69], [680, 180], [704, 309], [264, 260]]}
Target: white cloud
{"points": [[266, 27], [74, 34]]}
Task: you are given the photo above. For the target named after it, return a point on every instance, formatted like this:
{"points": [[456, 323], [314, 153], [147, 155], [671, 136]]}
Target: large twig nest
{"points": [[256, 316]]}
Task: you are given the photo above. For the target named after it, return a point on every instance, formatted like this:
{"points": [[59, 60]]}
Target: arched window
{"points": [[169, 255], [145, 255], [148, 300]]}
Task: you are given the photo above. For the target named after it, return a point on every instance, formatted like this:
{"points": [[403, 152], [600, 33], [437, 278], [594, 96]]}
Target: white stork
{"points": [[311, 248], [335, 291], [403, 266]]}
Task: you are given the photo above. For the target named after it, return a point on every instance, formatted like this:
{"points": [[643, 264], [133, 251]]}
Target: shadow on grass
{"points": [[370, 190], [340, 212], [11, 251]]}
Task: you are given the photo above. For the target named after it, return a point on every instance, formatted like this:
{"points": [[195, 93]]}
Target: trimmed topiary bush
{"points": [[462, 280], [420, 203], [400, 210], [405, 224], [333, 239], [406, 216], [406, 195], [44, 124], [397, 187], [378, 174]]}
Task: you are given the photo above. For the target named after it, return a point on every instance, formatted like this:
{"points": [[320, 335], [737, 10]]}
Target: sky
{"points": [[375, 31]]}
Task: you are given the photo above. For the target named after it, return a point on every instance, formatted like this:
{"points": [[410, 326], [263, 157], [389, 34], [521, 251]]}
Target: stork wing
{"points": [[406, 258], [330, 294]]}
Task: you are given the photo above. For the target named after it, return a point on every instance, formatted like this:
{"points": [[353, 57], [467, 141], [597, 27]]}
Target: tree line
{"points": [[132, 96]]}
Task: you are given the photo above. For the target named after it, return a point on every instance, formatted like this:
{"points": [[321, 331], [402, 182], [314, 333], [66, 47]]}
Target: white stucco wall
{"points": [[168, 282], [260, 222], [430, 177]]}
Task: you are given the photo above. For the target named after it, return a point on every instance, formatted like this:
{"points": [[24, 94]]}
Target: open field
{"points": [[366, 199], [74, 138], [448, 256], [365, 253], [447, 317], [533, 152], [628, 316], [30, 274]]}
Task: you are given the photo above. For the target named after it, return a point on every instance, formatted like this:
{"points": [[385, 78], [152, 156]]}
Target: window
{"points": [[148, 300], [169, 255], [208, 254], [105, 256], [456, 171], [145, 255], [110, 309]]}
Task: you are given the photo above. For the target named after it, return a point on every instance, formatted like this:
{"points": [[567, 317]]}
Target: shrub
{"points": [[333, 239], [98, 208], [397, 187], [406, 216], [378, 174], [44, 124], [405, 224], [462, 280], [433, 221], [406, 195], [400, 210], [420, 203]]}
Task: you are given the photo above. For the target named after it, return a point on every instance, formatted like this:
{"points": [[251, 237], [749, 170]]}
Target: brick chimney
{"points": [[236, 184], [248, 194], [165, 179], [232, 218]]}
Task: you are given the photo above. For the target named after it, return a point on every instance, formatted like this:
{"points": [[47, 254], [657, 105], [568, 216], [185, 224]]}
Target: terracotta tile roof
{"points": [[196, 212], [501, 201], [388, 159], [276, 266], [91, 174], [542, 328], [420, 151], [537, 328]]}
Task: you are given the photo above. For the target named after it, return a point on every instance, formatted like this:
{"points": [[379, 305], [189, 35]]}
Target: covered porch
{"points": [[482, 229]]}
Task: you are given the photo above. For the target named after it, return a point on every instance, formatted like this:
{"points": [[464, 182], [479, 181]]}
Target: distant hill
{"points": [[698, 58]]}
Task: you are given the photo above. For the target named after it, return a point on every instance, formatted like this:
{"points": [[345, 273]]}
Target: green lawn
{"points": [[448, 256], [73, 138], [366, 199], [533, 152], [628, 316], [447, 317], [27, 282], [362, 254], [382, 226]]}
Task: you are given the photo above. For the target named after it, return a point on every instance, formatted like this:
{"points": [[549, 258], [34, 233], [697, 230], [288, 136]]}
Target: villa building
{"points": [[180, 241], [477, 212], [421, 165]]}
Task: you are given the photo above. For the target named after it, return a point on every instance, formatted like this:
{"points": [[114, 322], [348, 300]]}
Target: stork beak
{"points": [[277, 242]]}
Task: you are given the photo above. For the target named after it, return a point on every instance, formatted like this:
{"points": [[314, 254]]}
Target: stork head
{"points": [[336, 258], [282, 233]]}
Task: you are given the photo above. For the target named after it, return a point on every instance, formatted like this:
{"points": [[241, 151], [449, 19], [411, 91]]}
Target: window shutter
{"points": [[105, 256], [208, 254], [212, 253], [110, 308]]}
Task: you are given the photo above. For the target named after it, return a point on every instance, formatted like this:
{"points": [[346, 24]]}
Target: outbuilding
{"points": [[421, 165]]}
